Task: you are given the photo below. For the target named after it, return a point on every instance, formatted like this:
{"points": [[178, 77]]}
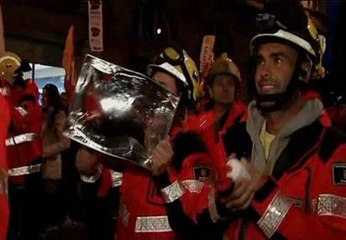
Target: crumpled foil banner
{"points": [[119, 112]]}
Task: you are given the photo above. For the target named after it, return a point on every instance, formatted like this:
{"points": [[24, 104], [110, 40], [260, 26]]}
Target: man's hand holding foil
{"points": [[244, 189], [161, 157]]}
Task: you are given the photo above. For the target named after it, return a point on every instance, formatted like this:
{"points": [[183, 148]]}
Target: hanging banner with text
{"points": [[95, 25]]}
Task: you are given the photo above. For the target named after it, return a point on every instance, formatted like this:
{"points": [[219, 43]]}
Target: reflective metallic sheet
{"points": [[119, 112]]}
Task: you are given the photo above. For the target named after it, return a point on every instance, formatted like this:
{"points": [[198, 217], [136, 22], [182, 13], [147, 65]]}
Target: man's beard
{"points": [[278, 101]]}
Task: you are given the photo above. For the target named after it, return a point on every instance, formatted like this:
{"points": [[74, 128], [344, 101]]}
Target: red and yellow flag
{"points": [[206, 58], [69, 64]]}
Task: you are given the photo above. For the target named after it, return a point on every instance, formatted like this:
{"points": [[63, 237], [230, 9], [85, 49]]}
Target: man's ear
{"points": [[305, 71]]}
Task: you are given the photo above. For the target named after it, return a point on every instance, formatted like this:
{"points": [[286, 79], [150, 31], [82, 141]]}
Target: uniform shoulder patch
{"points": [[202, 173], [339, 173]]}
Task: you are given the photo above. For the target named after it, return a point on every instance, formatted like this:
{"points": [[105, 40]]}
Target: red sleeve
{"points": [[327, 219], [196, 177], [4, 123], [34, 116], [4, 207]]}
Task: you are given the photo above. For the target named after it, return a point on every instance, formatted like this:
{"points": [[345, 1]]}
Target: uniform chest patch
{"points": [[339, 173], [202, 173]]}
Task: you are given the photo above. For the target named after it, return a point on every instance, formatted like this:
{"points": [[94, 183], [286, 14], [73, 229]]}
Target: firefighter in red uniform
{"points": [[222, 82], [99, 187], [298, 165], [24, 147], [220, 109], [196, 179], [143, 212], [4, 205]]}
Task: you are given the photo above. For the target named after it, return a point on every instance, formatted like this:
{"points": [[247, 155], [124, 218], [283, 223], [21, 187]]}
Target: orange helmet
{"points": [[223, 65]]}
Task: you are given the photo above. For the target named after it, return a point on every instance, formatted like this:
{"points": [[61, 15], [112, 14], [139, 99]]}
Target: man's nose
{"points": [[265, 70]]}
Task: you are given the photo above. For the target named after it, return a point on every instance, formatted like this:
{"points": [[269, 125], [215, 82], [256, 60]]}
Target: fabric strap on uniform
{"points": [[274, 214]]}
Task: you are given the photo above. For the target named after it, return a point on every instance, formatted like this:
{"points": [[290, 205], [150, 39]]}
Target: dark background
{"points": [[36, 30]]}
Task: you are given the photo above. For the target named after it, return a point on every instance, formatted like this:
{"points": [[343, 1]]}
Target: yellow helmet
{"points": [[177, 62], [223, 65], [9, 63], [320, 49]]}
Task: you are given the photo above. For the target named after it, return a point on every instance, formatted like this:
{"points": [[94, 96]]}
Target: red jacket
{"points": [[204, 124], [24, 145], [142, 213], [4, 207], [305, 199]]}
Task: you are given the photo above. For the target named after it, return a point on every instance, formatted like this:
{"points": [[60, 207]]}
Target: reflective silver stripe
{"points": [[193, 186], [22, 111], [124, 214], [214, 215], [274, 214], [152, 224], [5, 91], [26, 137], [25, 170], [92, 178], [173, 192], [117, 178], [330, 205]]}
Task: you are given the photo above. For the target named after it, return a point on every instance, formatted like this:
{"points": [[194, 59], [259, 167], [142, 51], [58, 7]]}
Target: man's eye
{"points": [[278, 60], [259, 61]]}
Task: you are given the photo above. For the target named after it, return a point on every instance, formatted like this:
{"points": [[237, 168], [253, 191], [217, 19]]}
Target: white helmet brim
{"points": [[170, 69], [282, 34]]}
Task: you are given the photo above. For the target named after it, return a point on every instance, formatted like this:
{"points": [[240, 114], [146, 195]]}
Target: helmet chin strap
{"points": [[280, 100]]}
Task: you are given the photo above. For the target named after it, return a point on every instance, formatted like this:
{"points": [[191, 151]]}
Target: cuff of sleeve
{"points": [[173, 192], [274, 214]]}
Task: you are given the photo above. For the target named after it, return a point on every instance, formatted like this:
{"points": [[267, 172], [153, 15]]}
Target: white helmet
{"points": [[177, 62]]}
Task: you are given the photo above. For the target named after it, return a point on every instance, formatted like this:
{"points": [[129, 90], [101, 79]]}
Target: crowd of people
{"points": [[273, 168]]}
